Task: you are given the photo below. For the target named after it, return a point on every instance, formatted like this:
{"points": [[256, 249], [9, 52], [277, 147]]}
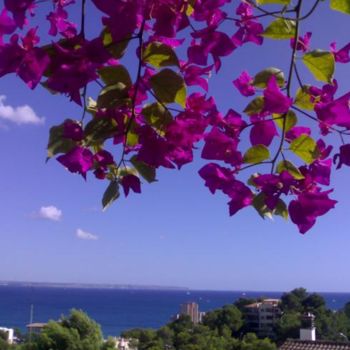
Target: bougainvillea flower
{"points": [[7, 25], [216, 177], [27, 61], [303, 43], [78, 160], [342, 55], [249, 31], [241, 196], [244, 84], [274, 100], [233, 124], [244, 10], [263, 132], [60, 24], [216, 43], [219, 146], [103, 158], [19, 9], [193, 75], [308, 207], [343, 156], [72, 130], [336, 112], [131, 182], [297, 131], [320, 170]]}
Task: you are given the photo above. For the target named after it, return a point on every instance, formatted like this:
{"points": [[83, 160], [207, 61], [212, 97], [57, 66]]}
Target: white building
{"points": [[123, 343], [10, 334], [262, 316]]}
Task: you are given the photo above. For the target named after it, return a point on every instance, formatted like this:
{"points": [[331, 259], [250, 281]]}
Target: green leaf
{"points": [[99, 129], [261, 79], [291, 120], [57, 143], [118, 49], [260, 206], [112, 75], [157, 116], [255, 106], [146, 171], [341, 5], [110, 195], [302, 98], [169, 87], [281, 209], [256, 154], [305, 147], [280, 28], [321, 64], [286, 165], [160, 55], [281, 2], [113, 95]]}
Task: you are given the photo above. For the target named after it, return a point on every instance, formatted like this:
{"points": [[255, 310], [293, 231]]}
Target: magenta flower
{"points": [[78, 160], [342, 55], [303, 43], [263, 132], [193, 75], [7, 25], [343, 156], [60, 24], [297, 131], [249, 31], [72, 130], [103, 158], [244, 84], [274, 100], [241, 196], [19, 9], [219, 146], [216, 177], [307, 207], [131, 182]]}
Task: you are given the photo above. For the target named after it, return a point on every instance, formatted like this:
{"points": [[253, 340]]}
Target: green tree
{"points": [[228, 316]]}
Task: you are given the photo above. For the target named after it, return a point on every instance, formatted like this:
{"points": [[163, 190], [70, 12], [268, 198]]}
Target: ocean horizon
{"points": [[119, 309]]}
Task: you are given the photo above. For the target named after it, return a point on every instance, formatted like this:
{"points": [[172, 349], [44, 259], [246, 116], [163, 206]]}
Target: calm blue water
{"points": [[118, 310]]}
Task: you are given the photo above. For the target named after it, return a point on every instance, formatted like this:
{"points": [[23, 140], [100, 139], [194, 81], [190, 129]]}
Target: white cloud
{"points": [[50, 213], [85, 235], [19, 115]]}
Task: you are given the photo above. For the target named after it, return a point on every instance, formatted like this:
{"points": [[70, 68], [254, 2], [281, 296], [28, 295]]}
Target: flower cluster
{"points": [[160, 113]]}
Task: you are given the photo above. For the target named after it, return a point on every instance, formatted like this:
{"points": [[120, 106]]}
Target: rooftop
{"points": [[294, 344]]}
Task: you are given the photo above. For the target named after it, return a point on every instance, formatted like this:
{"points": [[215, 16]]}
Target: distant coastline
{"points": [[90, 286]]}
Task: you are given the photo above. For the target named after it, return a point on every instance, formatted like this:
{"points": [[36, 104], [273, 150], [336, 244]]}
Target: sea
{"points": [[117, 310]]}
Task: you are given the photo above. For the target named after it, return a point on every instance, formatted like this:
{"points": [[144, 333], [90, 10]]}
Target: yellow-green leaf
{"points": [[302, 98], [256, 154], [117, 49], [280, 28], [341, 5], [255, 106], [305, 147], [115, 74], [160, 55], [145, 170], [110, 195], [286, 165], [261, 79], [57, 143], [290, 120], [281, 209], [157, 116], [169, 87], [321, 64]]}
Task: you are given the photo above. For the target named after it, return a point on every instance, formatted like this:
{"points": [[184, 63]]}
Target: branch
{"points": [[82, 26]]}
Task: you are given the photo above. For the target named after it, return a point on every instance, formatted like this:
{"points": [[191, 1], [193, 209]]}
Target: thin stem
{"points": [[83, 13], [255, 164], [84, 100], [298, 75], [289, 83]]}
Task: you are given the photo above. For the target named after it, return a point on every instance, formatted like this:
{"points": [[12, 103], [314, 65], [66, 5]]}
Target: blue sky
{"points": [[176, 233]]}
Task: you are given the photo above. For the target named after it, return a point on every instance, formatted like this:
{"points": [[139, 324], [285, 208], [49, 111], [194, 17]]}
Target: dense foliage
{"points": [[151, 63], [225, 328]]}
